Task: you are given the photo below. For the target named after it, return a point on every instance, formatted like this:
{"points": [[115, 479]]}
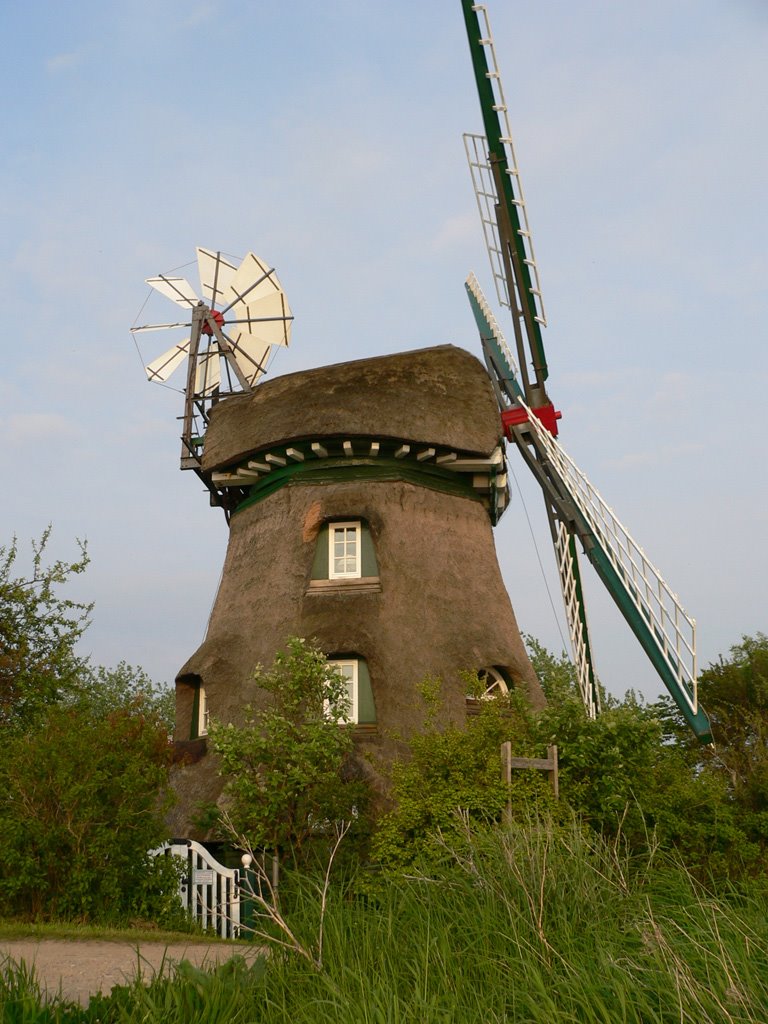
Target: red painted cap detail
{"points": [[214, 315]]}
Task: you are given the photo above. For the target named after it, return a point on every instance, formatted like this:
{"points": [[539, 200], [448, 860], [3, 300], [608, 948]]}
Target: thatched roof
{"points": [[439, 396]]}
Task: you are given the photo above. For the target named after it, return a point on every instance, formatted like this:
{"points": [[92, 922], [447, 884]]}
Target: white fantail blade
{"points": [[216, 274], [251, 353], [177, 289], [158, 327], [208, 375], [160, 369], [269, 317], [254, 278]]}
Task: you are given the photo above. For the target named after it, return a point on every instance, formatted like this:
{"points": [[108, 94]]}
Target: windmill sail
{"points": [[574, 507], [499, 194]]}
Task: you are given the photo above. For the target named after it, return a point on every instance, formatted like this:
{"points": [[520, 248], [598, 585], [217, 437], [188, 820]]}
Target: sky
{"points": [[327, 138]]}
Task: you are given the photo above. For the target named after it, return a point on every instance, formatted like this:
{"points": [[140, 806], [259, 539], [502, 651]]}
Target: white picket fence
{"points": [[209, 892]]}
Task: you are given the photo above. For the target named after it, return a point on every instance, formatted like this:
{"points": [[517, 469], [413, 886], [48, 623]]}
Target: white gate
{"points": [[208, 891]]}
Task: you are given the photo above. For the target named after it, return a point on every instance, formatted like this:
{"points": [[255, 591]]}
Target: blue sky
{"points": [[327, 138]]}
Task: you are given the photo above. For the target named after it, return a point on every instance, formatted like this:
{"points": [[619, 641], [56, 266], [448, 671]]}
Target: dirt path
{"points": [[80, 969]]}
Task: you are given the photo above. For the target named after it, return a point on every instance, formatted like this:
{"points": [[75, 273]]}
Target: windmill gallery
{"points": [[361, 497]]}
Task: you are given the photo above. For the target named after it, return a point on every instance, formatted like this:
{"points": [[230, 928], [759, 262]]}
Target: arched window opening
{"points": [[494, 682]]}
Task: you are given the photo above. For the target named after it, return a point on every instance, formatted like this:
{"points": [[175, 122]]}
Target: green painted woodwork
{"points": [[498, 157], [334, 470], [505, 374], [366, 709], [651, 644]]}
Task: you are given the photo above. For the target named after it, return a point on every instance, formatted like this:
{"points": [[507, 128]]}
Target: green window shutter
{"points": [[366, 709], [368, 553], [320, 568]]}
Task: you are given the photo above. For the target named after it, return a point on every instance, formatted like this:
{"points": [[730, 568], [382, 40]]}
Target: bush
{"points": [[452, 779], [79, 811]]}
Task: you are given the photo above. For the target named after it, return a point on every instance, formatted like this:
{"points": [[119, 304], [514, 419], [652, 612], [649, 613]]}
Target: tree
{"points": [[80, 807], [38, 633], [288, 768], [734, 693], [104, 690]]}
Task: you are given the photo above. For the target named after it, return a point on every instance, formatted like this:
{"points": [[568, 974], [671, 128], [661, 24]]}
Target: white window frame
{"points": [[203, 712], [356, 573], [495, 683], [340, 664]]}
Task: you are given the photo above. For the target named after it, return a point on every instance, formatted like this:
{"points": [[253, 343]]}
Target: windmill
{"points": [[575, 510], [360, 509], [246, 299]]}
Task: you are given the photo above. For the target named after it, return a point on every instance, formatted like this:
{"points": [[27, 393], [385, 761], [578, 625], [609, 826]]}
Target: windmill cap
{"points": [[437, 396]]}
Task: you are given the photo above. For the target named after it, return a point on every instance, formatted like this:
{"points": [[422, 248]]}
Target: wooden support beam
{"points": [[348, 449], [275, 460], [259, 467], [444, 460], [402, 451], [375, 445], [295, 454], [427, 453], [319, 450]]}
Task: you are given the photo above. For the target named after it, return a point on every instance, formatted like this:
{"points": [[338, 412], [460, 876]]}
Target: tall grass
{"points": [[543, 923]]}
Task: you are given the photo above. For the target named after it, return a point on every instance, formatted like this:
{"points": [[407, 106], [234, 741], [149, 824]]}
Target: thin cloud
{"points": [[200, 14], [63, 62], [657, 456], [26, 427], [455, 232]]}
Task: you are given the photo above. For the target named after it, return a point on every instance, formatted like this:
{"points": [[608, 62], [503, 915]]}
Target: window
{"points": [[492, 682], [344, 549], [354, 671], [344, 558], [202, 712], [348, 671]]}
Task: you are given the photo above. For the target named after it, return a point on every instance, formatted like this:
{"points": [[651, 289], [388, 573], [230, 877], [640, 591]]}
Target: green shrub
{"points": [[80, 808], [452, 778]]}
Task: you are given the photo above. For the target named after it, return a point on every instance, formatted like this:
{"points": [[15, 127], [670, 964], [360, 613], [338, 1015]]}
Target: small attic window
{"points": [[344, 550], [344, 554]]}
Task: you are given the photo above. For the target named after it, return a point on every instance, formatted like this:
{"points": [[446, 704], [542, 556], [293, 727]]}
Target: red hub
{"points": [[217, 317]]}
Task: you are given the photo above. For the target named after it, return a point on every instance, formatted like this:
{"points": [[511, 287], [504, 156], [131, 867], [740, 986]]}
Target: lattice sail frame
{"points": [[476, 147], [576, 614], [653, 598]]}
